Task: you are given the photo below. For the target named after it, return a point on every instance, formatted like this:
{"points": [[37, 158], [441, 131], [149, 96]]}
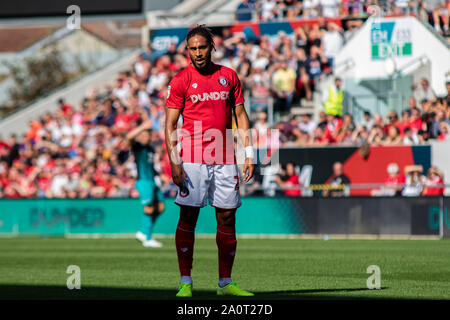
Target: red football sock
{"points": [[226, 243], [184, 241]]}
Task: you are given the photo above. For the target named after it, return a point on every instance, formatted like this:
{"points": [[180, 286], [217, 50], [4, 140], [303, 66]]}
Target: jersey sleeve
{"points": [[237, 90], [175, 94]]}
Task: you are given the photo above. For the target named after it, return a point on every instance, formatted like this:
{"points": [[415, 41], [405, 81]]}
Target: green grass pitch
{"points": [[35, 268]]}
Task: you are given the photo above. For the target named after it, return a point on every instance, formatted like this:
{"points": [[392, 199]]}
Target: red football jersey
{"points": [[206, 102], [397, 180], [431, 189]]}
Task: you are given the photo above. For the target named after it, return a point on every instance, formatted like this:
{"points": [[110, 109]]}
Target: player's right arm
{"points": [[174, 107], [172, 115]]}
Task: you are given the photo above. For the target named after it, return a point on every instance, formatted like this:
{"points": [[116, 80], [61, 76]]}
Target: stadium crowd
{"points": [[410, 183], [434, 12], [81, 152], [415, 125]]}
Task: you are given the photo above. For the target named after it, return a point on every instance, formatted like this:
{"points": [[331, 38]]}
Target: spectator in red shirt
{"points": [[318, 138], [444, 129], [35, 126], [393, 137], [348, 126], [332, 128], [122, 120], [404, 123], [434, 183], [416, 123], [394, 181], [289, 179], [105, 181], [44, 181], [393, 121], [65, 107], [393, 184]]}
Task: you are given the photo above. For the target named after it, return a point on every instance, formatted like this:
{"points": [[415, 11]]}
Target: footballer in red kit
{"points": [[207, 102], [206, 95]]}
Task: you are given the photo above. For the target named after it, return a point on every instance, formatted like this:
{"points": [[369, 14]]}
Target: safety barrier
{"points": [[258, 216]]}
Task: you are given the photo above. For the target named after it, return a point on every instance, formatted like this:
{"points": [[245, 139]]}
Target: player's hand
{"points": [[147, 124], [249, 169], [180, 177]]}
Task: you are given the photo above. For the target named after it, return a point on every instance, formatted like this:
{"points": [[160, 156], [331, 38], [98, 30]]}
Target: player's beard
{"points": [[204, 67]]}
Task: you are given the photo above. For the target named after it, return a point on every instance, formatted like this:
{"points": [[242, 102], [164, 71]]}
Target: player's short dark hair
{"points": [[204, 31]]}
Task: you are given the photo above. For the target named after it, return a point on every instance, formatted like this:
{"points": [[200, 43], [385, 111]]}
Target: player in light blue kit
{"points": [[149, 193]]}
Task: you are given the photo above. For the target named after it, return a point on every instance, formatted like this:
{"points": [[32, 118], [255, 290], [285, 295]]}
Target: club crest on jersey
{"points": [[223, 81], [195, 85]]}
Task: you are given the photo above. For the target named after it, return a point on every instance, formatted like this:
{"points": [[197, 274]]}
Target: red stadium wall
{"points": [[360, 170], [372, 169]]}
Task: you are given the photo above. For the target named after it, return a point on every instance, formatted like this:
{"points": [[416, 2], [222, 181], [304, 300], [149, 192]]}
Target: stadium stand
{"points": [[434, 12], [79, 151]]}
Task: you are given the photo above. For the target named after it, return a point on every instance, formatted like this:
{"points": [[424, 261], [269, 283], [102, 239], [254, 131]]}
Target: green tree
{"points": [[36, 76]]}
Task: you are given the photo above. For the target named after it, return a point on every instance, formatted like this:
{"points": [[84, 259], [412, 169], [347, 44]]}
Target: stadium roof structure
{"points": [[117, 34], [114, 34], [16, 39]]}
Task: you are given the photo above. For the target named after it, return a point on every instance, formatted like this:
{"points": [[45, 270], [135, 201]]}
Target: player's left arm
{"points": [[243, 126], [145, 125]]}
